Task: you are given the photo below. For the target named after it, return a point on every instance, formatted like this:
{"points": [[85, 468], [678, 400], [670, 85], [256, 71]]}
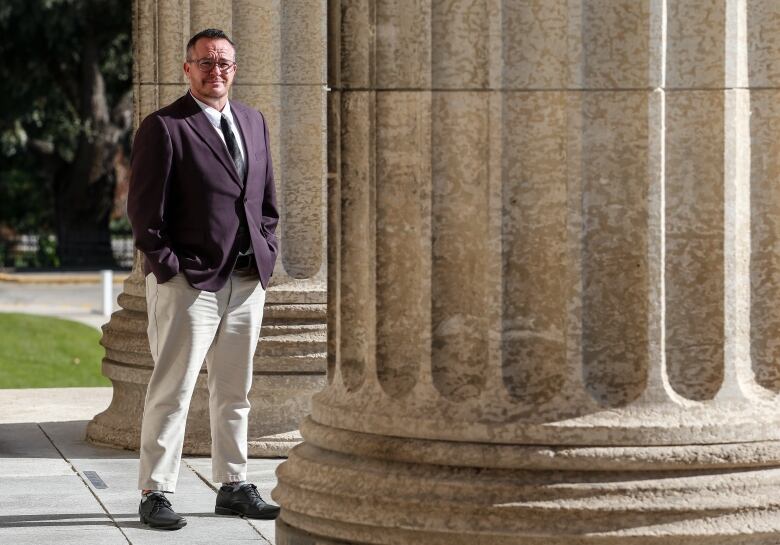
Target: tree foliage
{"points": [[66, 70]]}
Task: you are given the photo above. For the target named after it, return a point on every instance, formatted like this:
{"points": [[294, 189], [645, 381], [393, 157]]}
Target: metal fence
{"points": [[39, 251]]}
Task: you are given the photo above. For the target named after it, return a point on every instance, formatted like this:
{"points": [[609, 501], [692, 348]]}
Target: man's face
{"points": [[215, 83]]}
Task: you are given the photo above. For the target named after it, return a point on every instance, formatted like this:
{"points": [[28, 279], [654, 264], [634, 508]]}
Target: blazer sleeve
{"points": [[270, 212], [151, 160]]}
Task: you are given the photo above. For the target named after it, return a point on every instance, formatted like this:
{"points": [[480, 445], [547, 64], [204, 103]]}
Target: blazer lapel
{"points": [[246, 134], [200, 124]]}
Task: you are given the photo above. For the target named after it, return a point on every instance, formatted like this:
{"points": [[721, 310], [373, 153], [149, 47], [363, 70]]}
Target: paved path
{"points": [[55, 488], [75, 297]]}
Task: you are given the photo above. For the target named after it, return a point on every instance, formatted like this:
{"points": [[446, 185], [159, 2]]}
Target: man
{"points": [[202, 206]]}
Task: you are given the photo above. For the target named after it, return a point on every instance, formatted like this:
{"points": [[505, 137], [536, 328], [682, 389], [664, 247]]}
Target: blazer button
{"points": [[246, 199]]}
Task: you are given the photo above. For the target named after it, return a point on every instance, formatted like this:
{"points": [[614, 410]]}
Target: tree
{"points": [[66, 68]]}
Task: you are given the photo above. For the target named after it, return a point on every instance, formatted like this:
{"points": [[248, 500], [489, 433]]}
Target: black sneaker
{"points": [[245, 502], [156, 511]]}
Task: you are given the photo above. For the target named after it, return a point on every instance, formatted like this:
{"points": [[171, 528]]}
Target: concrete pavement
{"points": [[55, 488]]}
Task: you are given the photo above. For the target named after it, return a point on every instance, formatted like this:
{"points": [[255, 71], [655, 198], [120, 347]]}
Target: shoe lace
{"points": [[159, 500], [251, 491]]}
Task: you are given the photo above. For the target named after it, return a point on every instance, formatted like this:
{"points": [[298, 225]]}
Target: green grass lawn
{"points": [[44, 352]]}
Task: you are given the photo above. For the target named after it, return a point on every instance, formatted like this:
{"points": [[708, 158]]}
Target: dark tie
{"points": [[232, 146]]}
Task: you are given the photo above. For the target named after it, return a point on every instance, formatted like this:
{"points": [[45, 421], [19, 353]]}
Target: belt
{"points": [[245, 263]]}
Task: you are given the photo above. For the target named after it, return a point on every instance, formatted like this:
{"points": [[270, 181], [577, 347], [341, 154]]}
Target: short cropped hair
{"points": [[212, 33]]}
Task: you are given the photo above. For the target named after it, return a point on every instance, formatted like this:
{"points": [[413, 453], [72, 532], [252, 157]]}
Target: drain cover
{"points": [[95, 479]]}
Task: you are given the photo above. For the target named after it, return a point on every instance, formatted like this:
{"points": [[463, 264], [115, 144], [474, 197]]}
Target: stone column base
{"points": [[288, 535], [360, 488]]}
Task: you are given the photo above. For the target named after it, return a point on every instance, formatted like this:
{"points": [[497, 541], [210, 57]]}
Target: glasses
{"points": [[207, 65]]}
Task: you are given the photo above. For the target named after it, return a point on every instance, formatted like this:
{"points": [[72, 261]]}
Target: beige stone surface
{"points": [[614, 247], [403, 249], [170, 93], [763, 28], [765, 237], [145, 63], [260, 22], [302, 152], [534, 223], [334, 218], [695, 54], [289, 365], [459, 45], [210, 14], [459, 215], [356, 254], [535, 44], [357, 62], [551, 278], [616, 44], [290, 36], [145, 99], [403, 45], [694, 242], [173, 24]]}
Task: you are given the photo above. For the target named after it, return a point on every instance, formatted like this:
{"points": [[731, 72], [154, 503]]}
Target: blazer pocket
{"points": [[272, 242], [191, 263]]}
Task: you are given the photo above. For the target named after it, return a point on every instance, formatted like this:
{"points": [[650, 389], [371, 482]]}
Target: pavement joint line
{"points": [[201, 477], [81, 478], [214, 488]]}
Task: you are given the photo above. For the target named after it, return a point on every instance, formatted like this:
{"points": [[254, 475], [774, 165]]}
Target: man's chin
{"points": [[215, 92]]}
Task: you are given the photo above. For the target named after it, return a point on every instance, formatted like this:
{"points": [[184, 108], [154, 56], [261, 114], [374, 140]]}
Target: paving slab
{"points": [[25, 451], [52, 404], [42, 498], [56, 510]]}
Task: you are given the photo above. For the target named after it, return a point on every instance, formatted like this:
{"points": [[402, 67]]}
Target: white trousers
{"points": [[186, 327]]}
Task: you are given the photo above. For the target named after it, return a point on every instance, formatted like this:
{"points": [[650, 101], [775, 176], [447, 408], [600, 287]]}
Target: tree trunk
{"points": [[84, 188]]}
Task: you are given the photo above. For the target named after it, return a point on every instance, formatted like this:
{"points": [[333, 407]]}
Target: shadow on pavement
{"points": [[37, 440]]}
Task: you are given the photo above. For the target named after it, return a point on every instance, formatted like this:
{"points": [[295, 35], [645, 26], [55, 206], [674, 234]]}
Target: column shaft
{"points": [[541, 328]]}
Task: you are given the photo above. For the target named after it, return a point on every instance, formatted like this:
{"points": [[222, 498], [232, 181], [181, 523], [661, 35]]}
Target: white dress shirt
{"points": [[215, 116]]}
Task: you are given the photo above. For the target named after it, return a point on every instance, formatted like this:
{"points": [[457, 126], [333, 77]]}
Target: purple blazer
{"points": [[185, 192]]}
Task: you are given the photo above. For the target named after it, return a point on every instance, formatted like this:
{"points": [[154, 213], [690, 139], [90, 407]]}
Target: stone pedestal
{"points": [[553, 266], [281, 71]]}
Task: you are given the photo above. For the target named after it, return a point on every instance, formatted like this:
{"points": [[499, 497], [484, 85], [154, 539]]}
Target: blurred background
{"points": [[65, 133]]}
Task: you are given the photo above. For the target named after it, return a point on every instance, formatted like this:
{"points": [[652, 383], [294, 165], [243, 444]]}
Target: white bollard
{"points": [[108, 292]]}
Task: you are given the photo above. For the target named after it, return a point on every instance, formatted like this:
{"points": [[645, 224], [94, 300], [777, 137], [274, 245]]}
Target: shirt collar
{"points": [[214, 115]]}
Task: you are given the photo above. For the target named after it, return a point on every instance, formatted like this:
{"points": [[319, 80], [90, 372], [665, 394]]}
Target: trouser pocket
{"points": [[152, 294]]}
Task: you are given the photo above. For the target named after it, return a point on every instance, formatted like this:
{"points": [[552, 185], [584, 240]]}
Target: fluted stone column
{"points": [[554, 270], [281, 71]]}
